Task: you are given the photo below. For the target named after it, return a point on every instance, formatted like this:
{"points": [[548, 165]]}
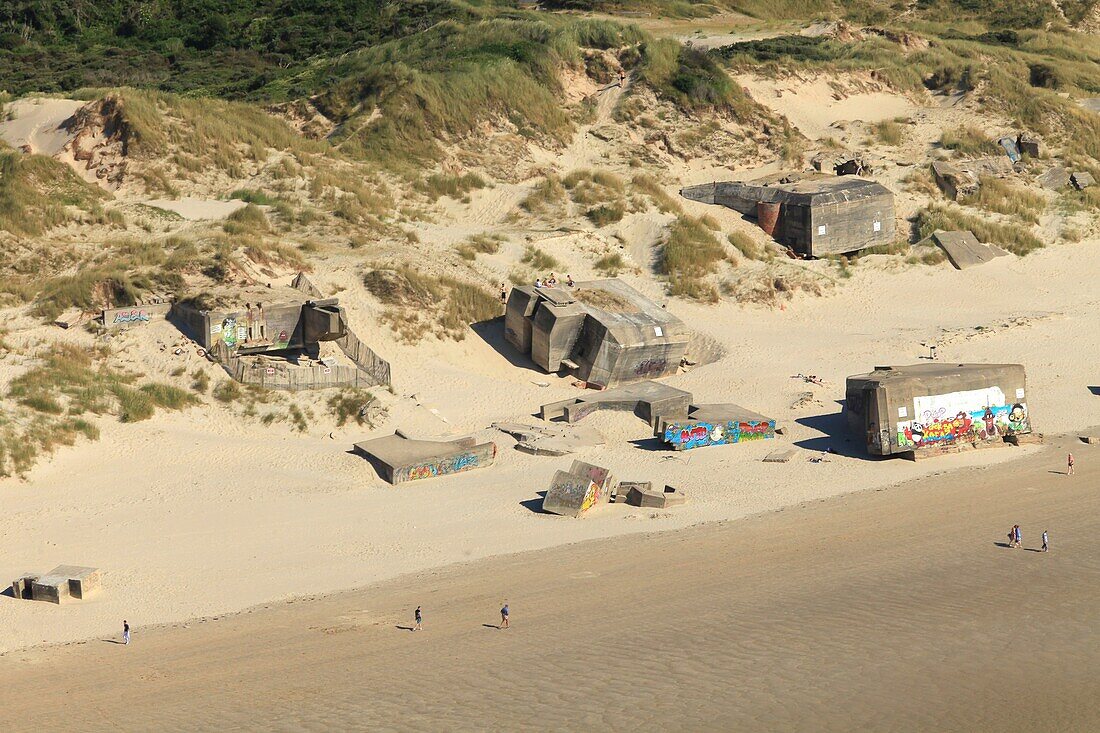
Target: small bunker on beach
{"points": [[705, 425], [398, 458], [814, 216], [603, 332], [924, 409], [648, 400], [62, 584]]}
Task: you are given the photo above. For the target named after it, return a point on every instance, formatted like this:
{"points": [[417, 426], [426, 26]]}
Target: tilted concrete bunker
{"points": [[928, 408], [602, 331], [814, 216]]}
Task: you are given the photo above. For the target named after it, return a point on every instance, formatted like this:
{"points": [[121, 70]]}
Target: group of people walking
{"points": [[1015, 538], [418, 617]]}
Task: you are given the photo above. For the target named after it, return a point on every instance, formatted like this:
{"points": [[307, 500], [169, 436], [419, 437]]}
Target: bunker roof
{"points": [[935, 371], [821, 190], [623, 310], [224, 297]]}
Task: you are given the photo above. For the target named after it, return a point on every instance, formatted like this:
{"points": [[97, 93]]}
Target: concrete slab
{"points": [[398, 458], [1082, 180], [82, 581], [574, 492], [552, 439], [643, 496], [781, 455], [648, 400], [964, 250], [1055, 178], [717, 424]]}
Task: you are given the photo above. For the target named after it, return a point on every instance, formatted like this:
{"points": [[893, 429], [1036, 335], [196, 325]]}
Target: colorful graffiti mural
{"points": [[699, 434], [591, 497], [137, 315], [482, 455], [971, 416]]}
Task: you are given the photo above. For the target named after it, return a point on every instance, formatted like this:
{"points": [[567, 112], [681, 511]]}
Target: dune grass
{"points": [[969, 141], [1000, 196], [1015, 238], [55, 399], [690, 253], [35, 191], [419, 304]]}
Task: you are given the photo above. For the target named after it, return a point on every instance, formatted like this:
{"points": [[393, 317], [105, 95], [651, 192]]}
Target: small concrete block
{"points": [[1090, 439], [782, 455]]}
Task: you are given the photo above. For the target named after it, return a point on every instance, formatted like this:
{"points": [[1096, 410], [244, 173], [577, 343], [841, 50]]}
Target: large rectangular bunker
{"points": [[928, 408]]}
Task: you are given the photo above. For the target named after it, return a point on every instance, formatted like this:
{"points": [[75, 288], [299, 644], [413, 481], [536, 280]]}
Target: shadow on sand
{"points": [[492, 333], [837, 438], [534, 505]]}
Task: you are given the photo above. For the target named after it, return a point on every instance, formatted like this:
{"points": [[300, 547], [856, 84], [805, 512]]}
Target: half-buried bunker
{"points": [[398, 458]]}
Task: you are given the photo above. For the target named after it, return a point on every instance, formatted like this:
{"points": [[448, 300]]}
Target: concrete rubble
{"points": [[1082, 180], [398, 458], [551, 439], [642, 494], [953, 181], [1057, 177], [963, 249], [648, 400], [574, 492]]}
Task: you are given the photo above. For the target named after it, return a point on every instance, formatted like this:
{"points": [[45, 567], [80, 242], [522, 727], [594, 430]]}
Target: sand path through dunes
{"points": [[893, 610]]}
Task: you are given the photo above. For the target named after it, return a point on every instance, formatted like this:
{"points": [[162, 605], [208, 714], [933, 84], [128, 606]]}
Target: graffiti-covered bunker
{"points": [[398, 458], [280, 337], [814, 216], [928, 408], [601, 331]]}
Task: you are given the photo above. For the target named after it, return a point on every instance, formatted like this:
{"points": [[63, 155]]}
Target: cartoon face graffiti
{"points": [[1017, 417], [915, 433], [717, 434], [990, 423]]}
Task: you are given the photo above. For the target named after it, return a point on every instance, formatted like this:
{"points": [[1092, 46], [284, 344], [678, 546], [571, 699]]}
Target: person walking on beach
{"points": [[419, 620], [1016, 536], [1046, 545], [504, 616], [125, 631], [1069, 464]]}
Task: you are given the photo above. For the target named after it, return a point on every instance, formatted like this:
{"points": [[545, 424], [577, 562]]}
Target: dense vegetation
{"points": [[220, 47]]}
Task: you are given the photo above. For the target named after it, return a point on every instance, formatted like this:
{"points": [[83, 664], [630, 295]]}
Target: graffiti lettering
{"points": [[444, 466], [699, 434], [133, 316], [651, 367]]}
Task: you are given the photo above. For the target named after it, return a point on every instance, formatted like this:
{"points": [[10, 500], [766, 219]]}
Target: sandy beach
{"points": [[883, 610]]}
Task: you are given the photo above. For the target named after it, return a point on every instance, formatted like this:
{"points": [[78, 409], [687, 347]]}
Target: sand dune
{"points": [[36, 123], [891, 610]]}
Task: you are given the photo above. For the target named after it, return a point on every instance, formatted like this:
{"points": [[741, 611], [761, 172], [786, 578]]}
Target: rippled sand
{"points": [[888, 610]]}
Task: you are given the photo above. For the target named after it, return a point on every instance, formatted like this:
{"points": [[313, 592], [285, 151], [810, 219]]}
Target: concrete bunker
{"points": [[574, 492], [284, 337], [648, 400], [398, 458], [604, 332], [63, 584], [924, 409], [717, 424], [814, 216]]}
